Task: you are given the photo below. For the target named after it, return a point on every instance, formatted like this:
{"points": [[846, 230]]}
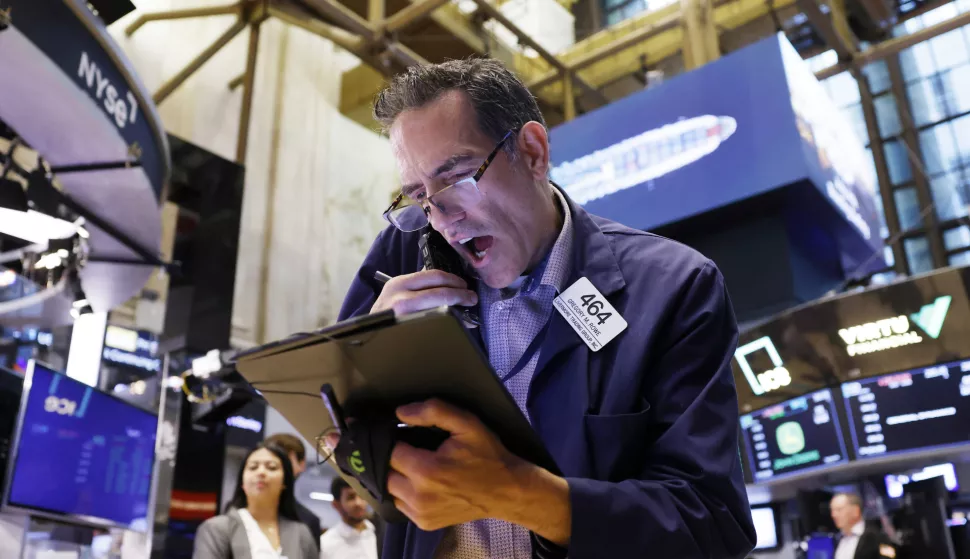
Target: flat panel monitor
{"points": [[81, 454], [895, 483], [11, 388], [765, 527], [794, 436], [911, 410]]}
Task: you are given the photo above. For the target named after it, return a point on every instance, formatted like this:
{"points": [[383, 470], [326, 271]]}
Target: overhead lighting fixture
{"points": [[33, 226], [7, 278], [317, 496], [49, 261]]}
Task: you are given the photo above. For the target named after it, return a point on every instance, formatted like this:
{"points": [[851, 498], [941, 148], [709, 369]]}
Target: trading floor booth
{"points": [[868, 392]]}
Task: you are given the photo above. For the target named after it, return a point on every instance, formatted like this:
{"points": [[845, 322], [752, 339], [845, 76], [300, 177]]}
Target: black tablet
{"points": [[380, 361]]}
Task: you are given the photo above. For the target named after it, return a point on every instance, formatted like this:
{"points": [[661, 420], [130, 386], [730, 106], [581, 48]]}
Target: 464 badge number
{"points": [[595, 307], [589, 314]]}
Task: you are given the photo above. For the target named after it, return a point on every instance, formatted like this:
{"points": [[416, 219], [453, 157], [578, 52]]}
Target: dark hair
{"points": [[501, 101], [289, 443], [287, 506], [337, 487]]}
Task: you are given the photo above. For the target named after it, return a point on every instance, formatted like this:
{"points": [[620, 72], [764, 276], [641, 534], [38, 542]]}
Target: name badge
{"points": [[589, 314]]}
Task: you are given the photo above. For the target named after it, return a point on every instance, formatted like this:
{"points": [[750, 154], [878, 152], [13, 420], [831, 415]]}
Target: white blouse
{"points": [[259, 545]]}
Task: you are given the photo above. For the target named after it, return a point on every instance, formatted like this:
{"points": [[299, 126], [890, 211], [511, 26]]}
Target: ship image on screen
{"points": [[793, 436], [82, 453], [911, 410]]}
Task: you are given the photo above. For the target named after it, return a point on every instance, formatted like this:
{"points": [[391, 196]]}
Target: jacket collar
{"points": [[593, 258]]}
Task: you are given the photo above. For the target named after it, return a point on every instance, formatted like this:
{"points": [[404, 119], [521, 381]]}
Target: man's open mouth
{"points": [[476, 248]]}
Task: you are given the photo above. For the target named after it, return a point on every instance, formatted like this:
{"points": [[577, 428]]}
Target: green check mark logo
{"points": [[930, 318]]}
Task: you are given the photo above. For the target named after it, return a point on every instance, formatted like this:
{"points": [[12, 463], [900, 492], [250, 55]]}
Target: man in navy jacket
{"points": [[644, 429]]}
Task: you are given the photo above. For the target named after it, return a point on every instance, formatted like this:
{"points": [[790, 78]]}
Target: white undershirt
{"points": [[259, 545], [849, 542], [345, 542]]}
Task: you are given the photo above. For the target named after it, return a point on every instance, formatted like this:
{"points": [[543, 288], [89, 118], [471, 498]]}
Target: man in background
{"points": [[857, 540], [354, 537], [293, 446]]}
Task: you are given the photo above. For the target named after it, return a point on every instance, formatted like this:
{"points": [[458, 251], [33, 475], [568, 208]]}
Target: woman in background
{"points": [[261, 520]]}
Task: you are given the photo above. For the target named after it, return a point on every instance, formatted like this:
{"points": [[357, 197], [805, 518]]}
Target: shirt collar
{"points": [[555, 270], [859, 528], [348, 531]]}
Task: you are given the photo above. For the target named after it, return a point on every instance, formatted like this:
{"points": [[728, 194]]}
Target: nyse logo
{"points": [[60, 406], [766, 381]]}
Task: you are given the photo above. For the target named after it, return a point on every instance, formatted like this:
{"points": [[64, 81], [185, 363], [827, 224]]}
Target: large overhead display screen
{"points": [[794, 436], [922, 408], [902, 326], [692, 144]]}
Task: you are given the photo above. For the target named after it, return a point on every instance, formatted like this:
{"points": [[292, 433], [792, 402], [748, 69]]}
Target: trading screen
{"points": [[794, 436], [83, 453], [922, 408]]}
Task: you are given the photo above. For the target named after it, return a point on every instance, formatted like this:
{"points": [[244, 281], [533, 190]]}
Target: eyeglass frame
{"points": [[474, 178]]}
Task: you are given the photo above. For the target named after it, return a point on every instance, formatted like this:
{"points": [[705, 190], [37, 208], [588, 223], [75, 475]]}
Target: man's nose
{"points": [[442, 221]]}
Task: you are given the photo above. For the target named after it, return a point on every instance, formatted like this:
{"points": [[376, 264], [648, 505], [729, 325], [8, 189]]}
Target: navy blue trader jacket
{"points": [[646, 429]]}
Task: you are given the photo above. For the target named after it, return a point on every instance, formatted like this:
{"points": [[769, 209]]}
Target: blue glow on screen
{"points": [[702, 140], [83, 453]]}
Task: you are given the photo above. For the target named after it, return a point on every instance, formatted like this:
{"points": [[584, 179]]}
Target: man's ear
{"points": [[532, 146]]}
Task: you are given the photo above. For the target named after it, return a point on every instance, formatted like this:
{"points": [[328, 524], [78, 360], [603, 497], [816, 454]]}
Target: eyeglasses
{"points": [[450, 200]]}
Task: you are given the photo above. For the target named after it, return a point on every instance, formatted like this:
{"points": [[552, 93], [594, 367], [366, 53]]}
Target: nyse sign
{"points": [[765, 381]]}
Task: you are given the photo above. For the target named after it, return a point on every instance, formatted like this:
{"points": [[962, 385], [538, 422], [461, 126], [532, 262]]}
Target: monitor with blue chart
{"points": [[794, 436], [81, 454]]}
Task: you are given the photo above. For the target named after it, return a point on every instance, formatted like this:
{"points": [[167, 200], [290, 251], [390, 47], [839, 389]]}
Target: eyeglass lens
{"points": [[451, 200]]}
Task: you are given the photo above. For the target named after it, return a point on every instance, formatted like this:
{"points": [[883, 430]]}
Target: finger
{"points": [[411, 462], [427, 279], [407, 509], [331, 441], [400, 487], [415, 301], [436, 413]]}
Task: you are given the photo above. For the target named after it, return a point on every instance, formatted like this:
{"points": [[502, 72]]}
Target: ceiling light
{"points": [[33, 226], [49, 261], [7, 278], [317, 496]]}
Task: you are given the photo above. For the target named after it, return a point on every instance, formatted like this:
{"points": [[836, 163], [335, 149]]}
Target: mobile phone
{"points": [[439, 255]]}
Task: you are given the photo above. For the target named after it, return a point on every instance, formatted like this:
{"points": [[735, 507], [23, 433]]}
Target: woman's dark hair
{"points": [[287, 506]]}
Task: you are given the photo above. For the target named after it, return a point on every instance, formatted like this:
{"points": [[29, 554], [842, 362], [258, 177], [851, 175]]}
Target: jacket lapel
{"points": [[290, 539], [593, 258], [238, 539]]}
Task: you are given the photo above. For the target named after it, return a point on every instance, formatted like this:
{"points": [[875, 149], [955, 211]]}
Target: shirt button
{"points": [[500, 305]]}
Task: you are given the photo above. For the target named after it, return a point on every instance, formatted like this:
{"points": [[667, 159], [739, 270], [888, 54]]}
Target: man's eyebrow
{"points": [[448, 165]]}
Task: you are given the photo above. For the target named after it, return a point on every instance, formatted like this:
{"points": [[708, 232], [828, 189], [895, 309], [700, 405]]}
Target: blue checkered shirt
{"points": [[512, 317]]}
